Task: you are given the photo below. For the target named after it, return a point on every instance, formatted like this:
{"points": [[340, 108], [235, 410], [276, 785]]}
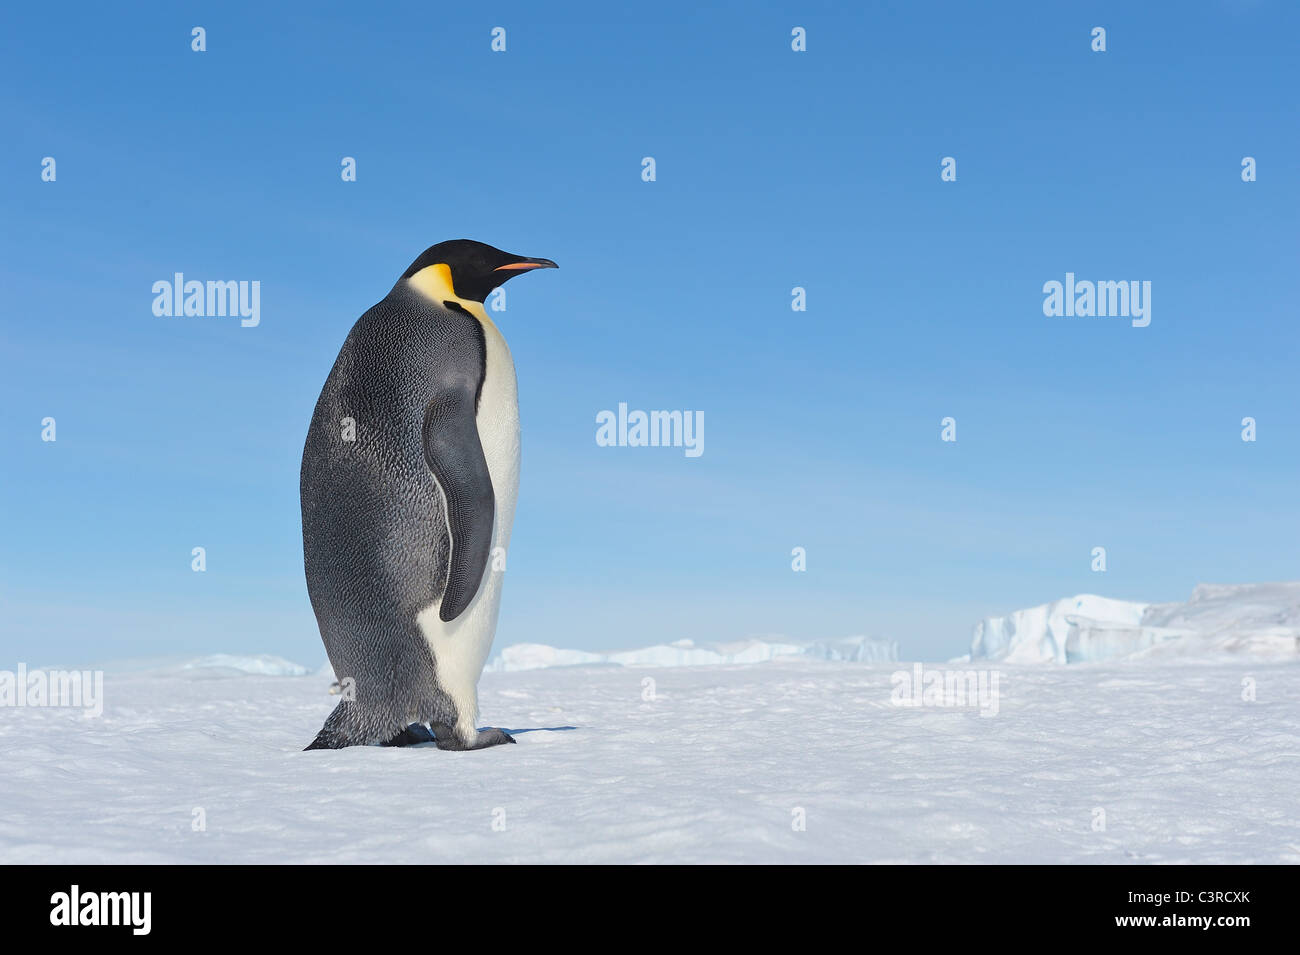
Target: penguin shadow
{"points": [[539, 729]]}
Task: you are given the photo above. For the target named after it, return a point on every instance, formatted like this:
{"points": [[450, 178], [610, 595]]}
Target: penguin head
{"points": [[473, 269]]}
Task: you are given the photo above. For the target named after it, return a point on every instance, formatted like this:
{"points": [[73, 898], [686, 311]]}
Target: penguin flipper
{"points": [[455, 455]]}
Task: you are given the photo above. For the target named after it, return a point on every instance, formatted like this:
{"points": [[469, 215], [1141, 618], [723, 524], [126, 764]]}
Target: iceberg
{"points": [[1255, 619], [685, 653], [261, 664]]}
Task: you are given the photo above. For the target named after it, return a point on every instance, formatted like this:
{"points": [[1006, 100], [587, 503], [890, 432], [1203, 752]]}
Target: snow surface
{"points": [[1258, 620], [708, 768], [1187, 738]]}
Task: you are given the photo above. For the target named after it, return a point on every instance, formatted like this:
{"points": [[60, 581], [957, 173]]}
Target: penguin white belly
{"points": [[460, 648]]}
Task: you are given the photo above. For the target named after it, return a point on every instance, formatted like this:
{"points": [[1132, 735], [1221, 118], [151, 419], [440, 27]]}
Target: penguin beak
{"points": [[524, 265]]}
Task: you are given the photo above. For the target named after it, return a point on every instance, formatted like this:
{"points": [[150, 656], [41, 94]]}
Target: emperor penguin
{"points": [[409, 479]]}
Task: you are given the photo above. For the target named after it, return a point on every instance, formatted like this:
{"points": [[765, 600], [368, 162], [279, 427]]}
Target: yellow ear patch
{"points": [[434, 281]]}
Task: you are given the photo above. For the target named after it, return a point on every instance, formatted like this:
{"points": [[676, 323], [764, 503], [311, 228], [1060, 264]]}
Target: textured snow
{"points": [[709, 767], [1260, 620], [535, 656]]}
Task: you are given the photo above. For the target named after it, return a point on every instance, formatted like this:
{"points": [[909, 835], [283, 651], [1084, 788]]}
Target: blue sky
{"points": [[775, 169]]}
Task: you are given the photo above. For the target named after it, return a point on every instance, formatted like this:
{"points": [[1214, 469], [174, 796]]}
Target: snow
{"points": [[703, 764], [535, 656], [1256, 620], [1170, 738]]}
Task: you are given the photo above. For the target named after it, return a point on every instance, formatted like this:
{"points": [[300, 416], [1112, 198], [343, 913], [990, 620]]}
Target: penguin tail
{"points": [[340, 730], [325, 740]]}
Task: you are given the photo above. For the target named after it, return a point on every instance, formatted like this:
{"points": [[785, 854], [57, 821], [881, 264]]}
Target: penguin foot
{"points": [[447, 738], [413, 735]]}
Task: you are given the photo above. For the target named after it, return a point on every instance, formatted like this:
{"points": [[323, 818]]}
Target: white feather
{"points": [[460, 648]]}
